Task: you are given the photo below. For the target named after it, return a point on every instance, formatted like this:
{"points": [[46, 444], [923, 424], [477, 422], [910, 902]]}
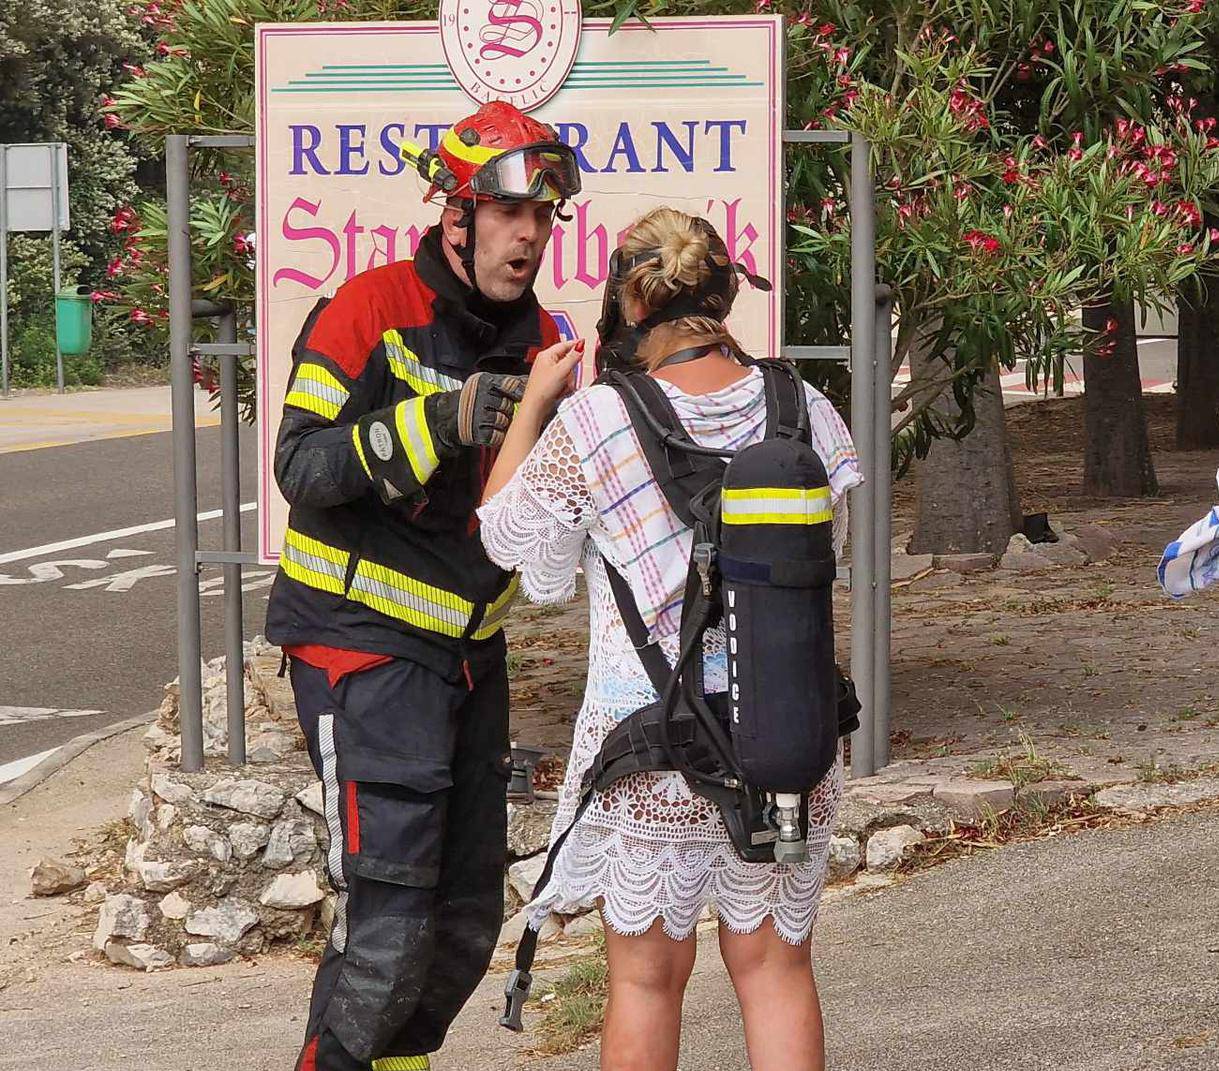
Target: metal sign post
{"points": [[4, 270], [55, 207]]}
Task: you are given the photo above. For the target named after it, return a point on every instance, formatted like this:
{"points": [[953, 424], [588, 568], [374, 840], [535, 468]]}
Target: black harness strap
{"points": [[654, 662]]}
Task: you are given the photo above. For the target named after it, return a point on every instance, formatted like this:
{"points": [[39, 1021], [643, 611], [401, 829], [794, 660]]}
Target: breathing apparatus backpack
{"points": [[762, 562]]}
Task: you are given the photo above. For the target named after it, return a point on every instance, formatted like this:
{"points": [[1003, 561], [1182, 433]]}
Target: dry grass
{"points": [[573, 1006], [1025, 767]]}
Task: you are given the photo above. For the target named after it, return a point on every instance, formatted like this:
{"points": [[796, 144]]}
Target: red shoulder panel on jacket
{"points": [[364, 308]]}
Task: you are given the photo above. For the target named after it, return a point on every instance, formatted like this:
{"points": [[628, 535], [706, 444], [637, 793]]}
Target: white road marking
{"points": [[41, 572], [119, 552], [252, 580], [123, 581], [9, 715], [12, 770], [106, 537]]}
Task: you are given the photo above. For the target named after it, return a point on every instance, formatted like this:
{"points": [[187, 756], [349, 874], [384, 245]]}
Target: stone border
{"points": [[75, 747]]}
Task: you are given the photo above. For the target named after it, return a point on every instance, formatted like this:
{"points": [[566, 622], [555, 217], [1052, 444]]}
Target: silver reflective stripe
{"points": [[330, 804], [407, 367], [336, 395], [814, 503], [410, 600], [313, 563]]}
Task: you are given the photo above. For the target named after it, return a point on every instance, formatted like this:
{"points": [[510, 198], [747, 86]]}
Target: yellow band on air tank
{"points": [[776, 505]]}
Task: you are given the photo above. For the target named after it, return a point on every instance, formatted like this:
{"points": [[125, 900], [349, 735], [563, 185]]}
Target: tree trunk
{"points": [[1198, 367], [967, 498], [1117, 456]]}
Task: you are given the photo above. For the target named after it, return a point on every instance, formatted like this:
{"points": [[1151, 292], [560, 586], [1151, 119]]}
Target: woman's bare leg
{"points": [[647, 979], [774, 983]]}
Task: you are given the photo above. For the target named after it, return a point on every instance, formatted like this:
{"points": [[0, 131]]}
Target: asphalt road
{"points": [[94, 627]]}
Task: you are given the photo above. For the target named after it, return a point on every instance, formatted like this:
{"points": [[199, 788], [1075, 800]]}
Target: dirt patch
{"points": [[1104, 673]]}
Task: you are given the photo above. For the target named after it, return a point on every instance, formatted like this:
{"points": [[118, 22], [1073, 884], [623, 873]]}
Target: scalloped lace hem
{"points": [[627, 919]]}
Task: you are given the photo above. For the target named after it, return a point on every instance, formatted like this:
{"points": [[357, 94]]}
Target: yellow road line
{"points": [[126, 433]]}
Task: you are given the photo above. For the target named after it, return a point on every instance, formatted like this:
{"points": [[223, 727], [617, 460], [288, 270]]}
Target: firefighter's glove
{"points": [[479, 413], [397, 448]]}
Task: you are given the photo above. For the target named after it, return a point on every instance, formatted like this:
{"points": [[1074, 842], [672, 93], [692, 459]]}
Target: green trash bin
{"points": [[74, 320]]}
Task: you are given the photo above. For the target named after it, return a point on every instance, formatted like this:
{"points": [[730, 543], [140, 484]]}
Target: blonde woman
{"points": [[648, 853]]}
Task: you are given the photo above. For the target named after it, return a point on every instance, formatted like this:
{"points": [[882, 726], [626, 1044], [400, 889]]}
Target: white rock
{"points": [[163, 817], [529, 827], [172, 791], [205, 954], [1146, 797], [583, 926], [134, 855], [271, 746], [95, 893], [524, 876], [888, 847], [208, 842], [175, 906], [157, 876], [292, 891], [1028, 562], [141, 956], [51, 878], [510, 933], [247, 838], [121, 916], [228, 921], [1061, 553], [311, 799], [325, 913], [247, 796], [972, 799], [292, 841], [138, 811], [844, 858], [905, 566]]}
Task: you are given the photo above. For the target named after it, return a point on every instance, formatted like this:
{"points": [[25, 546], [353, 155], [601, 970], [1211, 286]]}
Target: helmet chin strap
{"points": [[465, 251]]}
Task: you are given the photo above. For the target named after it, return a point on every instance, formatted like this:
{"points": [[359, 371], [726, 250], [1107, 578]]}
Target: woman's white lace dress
{"points": [[648, 848]]}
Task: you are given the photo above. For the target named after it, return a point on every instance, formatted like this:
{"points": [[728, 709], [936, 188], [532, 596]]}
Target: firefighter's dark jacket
{"points": [[393, 567]]}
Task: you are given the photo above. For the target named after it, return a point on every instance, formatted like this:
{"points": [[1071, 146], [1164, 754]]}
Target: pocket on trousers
{"points": [[394, 808]]}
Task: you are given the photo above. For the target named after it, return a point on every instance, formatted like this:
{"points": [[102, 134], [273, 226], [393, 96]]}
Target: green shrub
{"points": [[32, 350]]}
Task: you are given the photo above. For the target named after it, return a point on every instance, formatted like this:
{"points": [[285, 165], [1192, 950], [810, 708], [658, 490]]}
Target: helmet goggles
{"points": [[546, 171]]}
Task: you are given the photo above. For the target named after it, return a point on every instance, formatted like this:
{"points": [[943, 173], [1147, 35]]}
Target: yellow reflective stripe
{"points": [[397, 595], [493, 619], [355, 438], [402, 1063], [776, 505], [474, 154], [406, 366], [316, 389], [416, 438], [314, 563], [304, 400]]}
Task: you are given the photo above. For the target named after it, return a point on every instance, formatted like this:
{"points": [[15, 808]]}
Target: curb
{"points": [[78, 745]]}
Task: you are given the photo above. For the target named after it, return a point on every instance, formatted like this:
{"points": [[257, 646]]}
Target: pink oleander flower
{"points": [[980, 241], [139, 316], [112, 121], [115, 267], [1185, 249]]}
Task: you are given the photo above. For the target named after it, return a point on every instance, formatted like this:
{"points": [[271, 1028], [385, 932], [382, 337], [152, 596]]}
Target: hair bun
{"points": [[682, 253]]}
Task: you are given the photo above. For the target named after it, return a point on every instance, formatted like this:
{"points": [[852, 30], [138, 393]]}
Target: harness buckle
{"points": [[516, 992], [703, 557]]}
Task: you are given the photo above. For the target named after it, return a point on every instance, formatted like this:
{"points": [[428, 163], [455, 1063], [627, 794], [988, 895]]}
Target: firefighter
{"points": [[388, 610]]}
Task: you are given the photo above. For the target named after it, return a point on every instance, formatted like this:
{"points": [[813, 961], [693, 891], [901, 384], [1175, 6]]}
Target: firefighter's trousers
{"points": [[414, 772]]}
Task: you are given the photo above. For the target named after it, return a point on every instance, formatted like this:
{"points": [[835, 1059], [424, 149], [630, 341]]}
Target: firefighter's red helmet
{"points": [[500, 153]]}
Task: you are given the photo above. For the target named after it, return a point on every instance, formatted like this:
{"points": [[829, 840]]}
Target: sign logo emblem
{"points": [[519, 51]]}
